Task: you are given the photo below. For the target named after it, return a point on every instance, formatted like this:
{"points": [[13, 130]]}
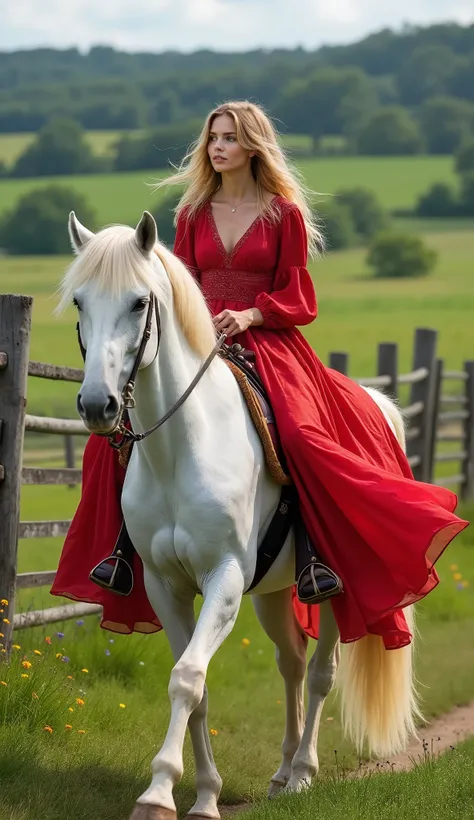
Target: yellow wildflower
{"points": [[245, 642], [2, 635], [3, 683], [80, 702], [70, 677], [85, 670], [70, 709], [37, 652], [81, 731], [6, 621], [16, 646], [68, 726], [457, 576], [4, 651], [24, 675], [122, 705], [48, 729], [26, 664], [213, 732], [453, 567], [58, 655], [4, 602]]}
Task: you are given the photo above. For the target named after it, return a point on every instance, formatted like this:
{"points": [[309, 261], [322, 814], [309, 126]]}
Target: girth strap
{"points": [[277, 533]]}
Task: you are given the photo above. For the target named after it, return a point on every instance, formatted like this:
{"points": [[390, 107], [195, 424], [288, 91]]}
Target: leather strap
{"points": [[276, 534]]}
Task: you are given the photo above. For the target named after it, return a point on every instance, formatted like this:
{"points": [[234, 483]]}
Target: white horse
{"points": [[197, 501]]}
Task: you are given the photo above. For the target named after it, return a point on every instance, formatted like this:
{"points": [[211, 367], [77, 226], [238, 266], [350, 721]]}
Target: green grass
{"points": [[397, 181]]}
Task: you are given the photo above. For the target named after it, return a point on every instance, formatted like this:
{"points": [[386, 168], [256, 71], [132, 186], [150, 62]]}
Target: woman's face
{"points": [[225, 152]]}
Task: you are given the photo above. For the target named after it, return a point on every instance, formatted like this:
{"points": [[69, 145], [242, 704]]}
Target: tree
{"points": [[336, 225], [466, 206], [396, 255], [426, 73], [38, 223], [368, 214], [446, 123], [157, 148], [391, 131], [464, 159], [439, 200], [59, 149]]}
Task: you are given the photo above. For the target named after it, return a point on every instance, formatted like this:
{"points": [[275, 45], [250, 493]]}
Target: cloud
{"points": [[222, 25]]}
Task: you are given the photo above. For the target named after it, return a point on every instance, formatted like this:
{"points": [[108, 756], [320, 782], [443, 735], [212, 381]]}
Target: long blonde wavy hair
{"points": [[270, 168]]}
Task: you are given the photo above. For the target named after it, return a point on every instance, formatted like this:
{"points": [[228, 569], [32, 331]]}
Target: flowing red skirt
{"points": [[375, 526]]}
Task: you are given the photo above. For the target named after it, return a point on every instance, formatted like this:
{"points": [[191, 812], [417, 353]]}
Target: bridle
{"points": [[122, 428]]}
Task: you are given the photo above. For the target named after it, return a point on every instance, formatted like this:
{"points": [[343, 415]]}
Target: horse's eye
{"points": [[76, 303], [140, 305]]}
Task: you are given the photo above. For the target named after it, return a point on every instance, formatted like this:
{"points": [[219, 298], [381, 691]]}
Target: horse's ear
{"points": [[146, 233], [78, 234]]}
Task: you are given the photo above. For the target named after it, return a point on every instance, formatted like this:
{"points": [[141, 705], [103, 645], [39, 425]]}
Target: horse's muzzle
{"points": [[101, 415]]}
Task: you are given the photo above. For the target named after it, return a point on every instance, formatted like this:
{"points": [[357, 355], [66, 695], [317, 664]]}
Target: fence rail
{"points": [[430, 427]]}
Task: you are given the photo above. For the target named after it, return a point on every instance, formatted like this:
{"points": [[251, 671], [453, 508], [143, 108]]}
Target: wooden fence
{"points": [[429, 427]]}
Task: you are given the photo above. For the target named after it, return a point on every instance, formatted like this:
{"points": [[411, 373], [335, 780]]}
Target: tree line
{"points": [[392, 92]]}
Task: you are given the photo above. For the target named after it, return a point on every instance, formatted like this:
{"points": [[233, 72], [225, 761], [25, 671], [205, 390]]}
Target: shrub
{"points": [[337, 225], [464, 158], [59, 149], [38, 223], [439, 200], [368, 214], [396, 255]]}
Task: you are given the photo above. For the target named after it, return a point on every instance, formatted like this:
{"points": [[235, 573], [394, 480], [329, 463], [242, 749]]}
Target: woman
{"points": [[244, 229]]}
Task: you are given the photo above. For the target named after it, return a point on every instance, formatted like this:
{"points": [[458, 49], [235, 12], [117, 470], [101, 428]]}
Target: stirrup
{"points": [[317, 583], [113, 573]]}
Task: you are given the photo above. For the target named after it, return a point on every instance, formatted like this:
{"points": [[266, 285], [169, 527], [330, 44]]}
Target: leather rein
{"points": [[128, 400]]}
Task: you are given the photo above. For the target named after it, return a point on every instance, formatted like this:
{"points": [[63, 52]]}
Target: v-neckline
{"points": [[229, 255]]}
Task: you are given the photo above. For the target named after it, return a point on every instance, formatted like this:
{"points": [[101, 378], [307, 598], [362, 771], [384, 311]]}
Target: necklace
{"points": [[233, 208]]}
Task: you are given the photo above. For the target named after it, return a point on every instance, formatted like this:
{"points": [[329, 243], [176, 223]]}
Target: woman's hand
{"points": [[232, 322]]}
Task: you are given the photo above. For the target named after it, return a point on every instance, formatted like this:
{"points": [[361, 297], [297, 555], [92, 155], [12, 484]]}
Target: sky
{"points": [[221, 25]]}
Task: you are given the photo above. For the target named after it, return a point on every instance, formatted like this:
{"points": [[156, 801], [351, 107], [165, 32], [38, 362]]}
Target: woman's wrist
{"points": [[256, 317]]}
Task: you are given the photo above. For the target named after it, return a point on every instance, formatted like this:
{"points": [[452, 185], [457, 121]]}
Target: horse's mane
{"points": [[113, 262]]}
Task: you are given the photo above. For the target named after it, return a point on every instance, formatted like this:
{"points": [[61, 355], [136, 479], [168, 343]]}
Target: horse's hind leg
{"points": [[321, 677], [275, 613]]}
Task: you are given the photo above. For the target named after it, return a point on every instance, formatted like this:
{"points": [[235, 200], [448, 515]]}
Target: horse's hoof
{"points": [[143, 811], [276, 787], [202, 817]]}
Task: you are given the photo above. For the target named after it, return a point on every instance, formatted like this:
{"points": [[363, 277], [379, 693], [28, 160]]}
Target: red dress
{"points": [[371, 522]]}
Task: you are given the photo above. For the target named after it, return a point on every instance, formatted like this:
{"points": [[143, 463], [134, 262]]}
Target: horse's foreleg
{"points": [[275, 613], [321, 677], [222, 598]]}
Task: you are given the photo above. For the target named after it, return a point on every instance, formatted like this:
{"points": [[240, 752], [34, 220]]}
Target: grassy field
{"points": [[397, 181]]}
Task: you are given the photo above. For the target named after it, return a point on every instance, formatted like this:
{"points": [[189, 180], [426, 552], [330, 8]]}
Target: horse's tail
{"points": [[378, 696], [377, 688]]}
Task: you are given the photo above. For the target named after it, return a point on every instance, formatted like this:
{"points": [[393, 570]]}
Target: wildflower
{"points": [[81, 731], [58, 655], [141, 663], [80, 702], [48, 729], [453, 567], [457, 576], [122, 705], [86, 671], [16, 646], [245, 642], [3, 683], [60, 634], [24, 675], [70, 677], [111, 640], [4, 602], [459, 586], [465, 584], [34, 696], [4, 651], [37, 652], [2, 635], [214, 732], [68, 726], [80, 623], [278, 702], [70, 709], [107, 652], [6, 621], [65, 659], [47, 639], [26, 664]]}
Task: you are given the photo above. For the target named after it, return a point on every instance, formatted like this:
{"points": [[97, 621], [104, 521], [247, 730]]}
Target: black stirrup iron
{"points": [[115, 573]]}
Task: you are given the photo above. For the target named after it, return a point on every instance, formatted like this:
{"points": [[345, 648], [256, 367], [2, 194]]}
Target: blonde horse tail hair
{"points": [[379, 701], [378, 696]]}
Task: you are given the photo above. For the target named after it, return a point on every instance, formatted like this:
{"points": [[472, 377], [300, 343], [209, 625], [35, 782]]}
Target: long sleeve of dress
{"points": [[293, 300], [184, 243]]}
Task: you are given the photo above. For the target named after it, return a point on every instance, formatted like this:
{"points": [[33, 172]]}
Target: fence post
{"points": [[387, 365], [15, 324], [467, 488], [424, 355], [438, 381], [339, 362]]}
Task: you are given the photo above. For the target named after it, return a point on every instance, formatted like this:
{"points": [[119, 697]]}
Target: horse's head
{"points": [[111, 283]]}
